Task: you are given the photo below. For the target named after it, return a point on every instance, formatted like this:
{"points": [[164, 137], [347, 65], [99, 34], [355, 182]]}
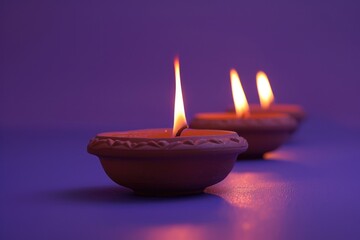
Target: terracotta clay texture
{"points": [[152, 162], [264, 132], [293, 110], [296, 111]]}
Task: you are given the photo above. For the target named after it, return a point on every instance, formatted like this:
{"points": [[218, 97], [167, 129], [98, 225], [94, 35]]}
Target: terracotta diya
{"points": [[267, 98], [174, 161], [264, 131]]}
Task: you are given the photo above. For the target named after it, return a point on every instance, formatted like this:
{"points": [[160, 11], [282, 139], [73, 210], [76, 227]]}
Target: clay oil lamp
{"points": [[267, 104], [165, 162], [266, 97], [264, 131]]}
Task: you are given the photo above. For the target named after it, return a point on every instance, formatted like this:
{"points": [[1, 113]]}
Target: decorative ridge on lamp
{"points": [[120, 142]]}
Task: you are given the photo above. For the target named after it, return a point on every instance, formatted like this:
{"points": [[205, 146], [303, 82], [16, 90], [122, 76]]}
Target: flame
{"points": [[179, 111], [241, 104], [264, 89]]}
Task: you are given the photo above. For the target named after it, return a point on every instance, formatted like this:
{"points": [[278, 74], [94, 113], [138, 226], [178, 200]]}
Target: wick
{"points": [[178, 133]]}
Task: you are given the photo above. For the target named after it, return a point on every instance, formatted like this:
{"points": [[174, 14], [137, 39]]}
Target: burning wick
{"points": [[155, 162], [178, 133], [179, 112]]}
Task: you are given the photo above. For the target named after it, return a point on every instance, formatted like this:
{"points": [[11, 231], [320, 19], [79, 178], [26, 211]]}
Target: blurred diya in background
{"points": [[165, 162], [267, 98], [264, 131]]}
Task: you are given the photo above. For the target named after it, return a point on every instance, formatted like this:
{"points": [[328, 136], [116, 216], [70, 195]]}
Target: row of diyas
{"points": [[186, 160], [265, 127]]}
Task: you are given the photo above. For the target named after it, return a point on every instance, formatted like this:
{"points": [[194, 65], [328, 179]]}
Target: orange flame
{"points": [[241, 104], [179, 111], [264, 89]]}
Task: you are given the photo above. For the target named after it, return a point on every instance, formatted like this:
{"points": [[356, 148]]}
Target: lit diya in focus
{"points": [[174, 161], [264, 131]]}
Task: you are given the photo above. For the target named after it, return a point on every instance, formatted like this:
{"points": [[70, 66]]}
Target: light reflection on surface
{"points": [[251, 203], [252, 190], [246, 205], [174, 232], [259, 196], [281, 155], [256, 198]]}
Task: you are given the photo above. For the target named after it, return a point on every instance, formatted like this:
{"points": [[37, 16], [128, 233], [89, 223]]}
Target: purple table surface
{"points": [[308, 189]]}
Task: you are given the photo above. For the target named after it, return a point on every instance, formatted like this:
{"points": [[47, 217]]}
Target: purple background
{"points": [[109, 63], [69, 69]]}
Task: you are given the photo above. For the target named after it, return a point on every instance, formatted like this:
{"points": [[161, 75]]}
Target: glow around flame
{"points": [[241, 104], [179, 111], [264, 89]]}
